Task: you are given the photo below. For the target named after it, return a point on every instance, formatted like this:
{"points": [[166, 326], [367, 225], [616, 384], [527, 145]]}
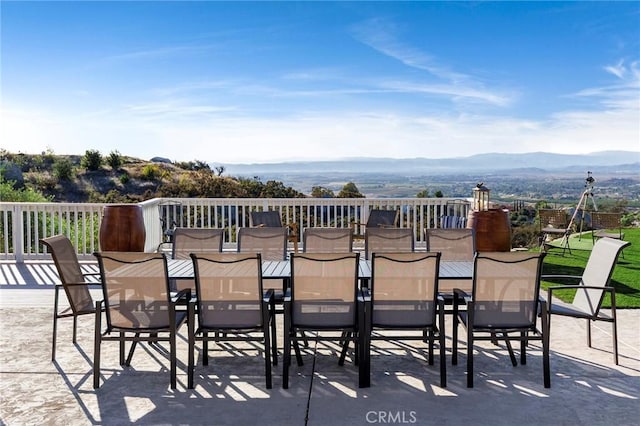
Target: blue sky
{"points": [[242, 82]]}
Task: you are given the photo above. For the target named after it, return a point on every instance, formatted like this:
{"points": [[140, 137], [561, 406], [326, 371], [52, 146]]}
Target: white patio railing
{"points": [[23, 224]]}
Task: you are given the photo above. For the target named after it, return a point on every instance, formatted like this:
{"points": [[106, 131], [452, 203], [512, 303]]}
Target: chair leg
{"points": [[545, 346], [205, 348], [97, 340], [431, 339], [122, 359], [75, 328], [614, 329], [589, 332], [286, 357], [191, 343], [469, 356], [55, 323], [523, 347], [443, 359], [132, 349], [345, 347], [507, 343]]}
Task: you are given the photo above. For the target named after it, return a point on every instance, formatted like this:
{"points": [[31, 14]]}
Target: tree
{"points": [[220, 170], [423, 194], [350, 190], [321, 192]]}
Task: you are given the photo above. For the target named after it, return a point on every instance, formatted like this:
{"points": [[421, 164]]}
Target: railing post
{"points": [[18, 234]]}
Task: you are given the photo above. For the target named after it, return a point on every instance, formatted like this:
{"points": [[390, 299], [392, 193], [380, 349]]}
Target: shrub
{"points": [[114, 160], [124, 178], [63, 169], [150, 172], [91, 160]]}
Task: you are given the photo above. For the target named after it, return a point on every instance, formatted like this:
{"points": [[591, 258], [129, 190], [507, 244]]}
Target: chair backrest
{"points": [[66, 261], [601, 220], [136, 290], [269, 219], [506, 287], [196, 240], [229, 289], [597, 273], [555, 218], [328, 240], [388, 240], [404, 287], [324, 287], [378, 218], [271, 243], [454, 244]]}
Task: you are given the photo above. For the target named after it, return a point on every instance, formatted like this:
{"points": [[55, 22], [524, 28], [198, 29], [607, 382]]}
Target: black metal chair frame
{"points": [[233, 334], [526, 333], [151, 335]]}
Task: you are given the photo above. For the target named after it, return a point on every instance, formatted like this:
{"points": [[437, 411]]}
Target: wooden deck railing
{"points": [[23, 224]]}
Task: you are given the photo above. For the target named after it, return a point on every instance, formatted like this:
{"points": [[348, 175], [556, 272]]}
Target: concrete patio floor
{"points": [[587, 388]]}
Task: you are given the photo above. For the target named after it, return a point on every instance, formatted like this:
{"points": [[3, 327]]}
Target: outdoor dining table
{"points": [[281, 269]]}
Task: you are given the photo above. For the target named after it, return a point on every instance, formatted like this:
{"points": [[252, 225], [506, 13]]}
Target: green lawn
{"points": [[626, 276]]}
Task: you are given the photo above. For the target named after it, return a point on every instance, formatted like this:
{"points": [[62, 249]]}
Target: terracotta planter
{"points": [[122, 228], [493, 229]]}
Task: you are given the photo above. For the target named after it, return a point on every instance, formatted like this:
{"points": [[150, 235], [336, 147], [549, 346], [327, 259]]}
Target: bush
{"points": [[124, 178], [63, 169], [114, 160], [91, 160], [150, 172]]}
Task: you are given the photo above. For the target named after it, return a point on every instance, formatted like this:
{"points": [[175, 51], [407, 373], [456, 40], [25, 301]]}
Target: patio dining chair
{"points": [[403, 296], [504, 301], [194, 240], [388, 240], [327, 240], [138, 306], [591, 287], [554, 223], [74, 282], [607, 225], [231, 304], [272, 219], [378, 218], [456, 245], [324, 298]]}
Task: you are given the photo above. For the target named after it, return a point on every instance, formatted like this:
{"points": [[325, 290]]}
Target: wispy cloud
{"points": [[380, 35]]}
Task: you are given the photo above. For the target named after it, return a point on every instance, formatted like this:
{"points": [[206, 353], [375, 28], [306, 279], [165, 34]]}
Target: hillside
{"points": [[133, 179]]}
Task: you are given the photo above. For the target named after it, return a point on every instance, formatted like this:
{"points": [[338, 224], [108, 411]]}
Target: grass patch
{"points": [[626, 275]]}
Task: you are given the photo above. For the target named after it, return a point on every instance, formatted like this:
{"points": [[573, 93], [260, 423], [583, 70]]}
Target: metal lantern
{"points": [[481, 197]]}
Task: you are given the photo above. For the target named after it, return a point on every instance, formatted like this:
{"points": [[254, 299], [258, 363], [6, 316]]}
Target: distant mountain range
{"points": [[535, 162]]}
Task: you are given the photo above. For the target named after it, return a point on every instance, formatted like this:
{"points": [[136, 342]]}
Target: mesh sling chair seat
{"points": [[554, 223], [194, 240], [137, 301], [455, 245], [592, 286], [388, 240], [505, 300], [74, 282], [231, 303], [324, 297], [403, 295], [272, 219], [328, 240]]}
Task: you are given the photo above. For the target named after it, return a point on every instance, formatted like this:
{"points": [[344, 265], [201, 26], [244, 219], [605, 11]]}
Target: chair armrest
{"points": [[550, 290], [183, 295], [364, 295], [83, 283], [268, 296], [566, 277], [461, 294]]}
